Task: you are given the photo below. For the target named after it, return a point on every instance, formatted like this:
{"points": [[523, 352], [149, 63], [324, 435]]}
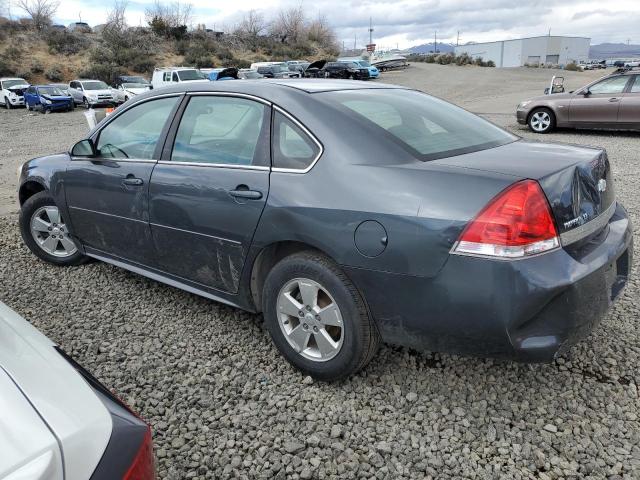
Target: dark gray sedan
{"points": [[347, 214]]}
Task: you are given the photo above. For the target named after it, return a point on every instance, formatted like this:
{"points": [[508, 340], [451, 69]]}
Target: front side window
{"points": [[135, 133], [175, 78], [610, 86], [429, 128], [223, 131], [292, 147]]}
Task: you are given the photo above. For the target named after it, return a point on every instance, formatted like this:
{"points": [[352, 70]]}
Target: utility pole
{"points": [[628, 41], [458, 39], [355, 41], [435, 41], [370, 31], [549, 32]]}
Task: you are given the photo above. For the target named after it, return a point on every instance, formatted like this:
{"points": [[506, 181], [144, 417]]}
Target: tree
{"points": [[289, 25], [169, 20], [40, 11], [250, 28]]}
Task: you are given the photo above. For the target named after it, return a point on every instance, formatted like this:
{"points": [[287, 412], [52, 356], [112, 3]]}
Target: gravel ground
{"points": [[223, 403]]}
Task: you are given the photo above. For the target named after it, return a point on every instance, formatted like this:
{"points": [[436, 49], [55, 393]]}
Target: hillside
{"points": [[614, 50], [428, 48], [52, 55]]}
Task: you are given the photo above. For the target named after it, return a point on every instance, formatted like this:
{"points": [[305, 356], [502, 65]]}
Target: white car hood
{"points": [[71, 410], [98, 92], [135, 91]]}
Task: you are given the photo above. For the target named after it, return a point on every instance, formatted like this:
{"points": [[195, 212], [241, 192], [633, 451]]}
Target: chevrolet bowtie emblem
{"points": [[602, 185]]}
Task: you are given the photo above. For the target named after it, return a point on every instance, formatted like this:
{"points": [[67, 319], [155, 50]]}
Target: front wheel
{"points": [[316, 317], [45, 232], [542, 120], [85, 103], [7, 103]]}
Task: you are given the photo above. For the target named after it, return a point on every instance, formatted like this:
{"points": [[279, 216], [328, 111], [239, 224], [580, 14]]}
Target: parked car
{"points": [[277, 70], [59, 421], [217, 74], [315, 69], [47, 98], [81, 27], [91, 93], [12, 91], [128, 86], [297, 66], [59, 27], [612, 102], [248, 74], [346, 70], [165, 76], [346, 213], [373, 71]]}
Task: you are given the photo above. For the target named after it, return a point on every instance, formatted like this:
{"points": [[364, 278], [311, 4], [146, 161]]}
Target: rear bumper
{"points": [[527, 310]]}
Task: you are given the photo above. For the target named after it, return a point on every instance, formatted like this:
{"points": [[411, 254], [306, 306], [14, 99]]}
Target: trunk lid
{"points": [[576, 180]]}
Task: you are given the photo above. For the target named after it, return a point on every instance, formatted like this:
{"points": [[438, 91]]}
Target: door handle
{"points": [[614, 99], [131, 180], [242, 191]]}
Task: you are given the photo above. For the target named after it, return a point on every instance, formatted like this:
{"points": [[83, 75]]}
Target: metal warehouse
{"points": [[555, 50]]}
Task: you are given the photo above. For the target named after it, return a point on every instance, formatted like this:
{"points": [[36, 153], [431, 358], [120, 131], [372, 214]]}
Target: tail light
{"points": [[142, 467], [516, 223]]}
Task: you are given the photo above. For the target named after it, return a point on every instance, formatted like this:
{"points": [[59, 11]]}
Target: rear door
{"points": [[600, 106], [629, 114], [107, 195], [208, 191]]}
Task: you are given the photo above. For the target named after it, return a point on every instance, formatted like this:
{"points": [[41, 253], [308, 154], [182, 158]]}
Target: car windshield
{"points": [[50, 91], [277, 68], [13, 83], [364, 63], [135, 85], [136, 80], [429, 128], [251, 75], [186, 75], [95, 85]]}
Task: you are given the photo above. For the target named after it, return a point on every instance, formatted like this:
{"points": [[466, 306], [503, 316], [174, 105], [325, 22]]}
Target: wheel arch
{"points": [[543, 107], [28, 189], [268, 257]]}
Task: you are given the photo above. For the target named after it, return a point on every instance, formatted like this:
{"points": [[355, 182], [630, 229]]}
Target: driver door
{"points": [[599, 107], [107, 195]]}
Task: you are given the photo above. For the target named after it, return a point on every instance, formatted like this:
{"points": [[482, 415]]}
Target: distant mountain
{"points": [[428, 48], [614, 50]]}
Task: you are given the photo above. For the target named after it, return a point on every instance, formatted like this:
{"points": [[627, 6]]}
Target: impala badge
{"points": [[602, 185]]}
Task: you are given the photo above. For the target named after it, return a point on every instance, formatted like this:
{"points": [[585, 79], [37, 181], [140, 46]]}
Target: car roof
{"points": [[11, 78], [273, 87]]}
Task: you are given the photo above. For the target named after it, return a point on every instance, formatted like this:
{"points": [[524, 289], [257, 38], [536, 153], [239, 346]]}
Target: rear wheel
{"points": [[317, 318], [45, 232], [542, 120], [7, 104]]}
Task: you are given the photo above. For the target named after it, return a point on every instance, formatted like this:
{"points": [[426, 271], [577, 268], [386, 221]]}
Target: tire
{"points": [[356, 337], [28, 107], [7, 103], [541, 120], [33, 208], [85, 103]]}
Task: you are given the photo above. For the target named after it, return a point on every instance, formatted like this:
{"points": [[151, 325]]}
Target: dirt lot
{"points": [[223, 403]]}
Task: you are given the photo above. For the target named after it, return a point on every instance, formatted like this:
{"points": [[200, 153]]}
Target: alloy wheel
{"points": [[540, 121], [310, 319], [50, 232]]}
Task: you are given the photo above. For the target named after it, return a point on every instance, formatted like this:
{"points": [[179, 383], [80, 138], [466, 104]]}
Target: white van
{"points": [[165, 76]]}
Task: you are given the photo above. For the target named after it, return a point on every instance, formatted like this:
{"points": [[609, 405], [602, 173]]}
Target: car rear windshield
{"points": [[13, 83], [429, 128]]}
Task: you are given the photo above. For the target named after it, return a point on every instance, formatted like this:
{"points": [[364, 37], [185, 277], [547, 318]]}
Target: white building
{"points": [[533, 50]]}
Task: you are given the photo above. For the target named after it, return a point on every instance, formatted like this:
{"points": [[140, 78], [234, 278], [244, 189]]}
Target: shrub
{"points": [[105, 72], [26, 74], [13, 52], [36, 67], [65, 43], [5, 67], [54, 74], [572, 67]]}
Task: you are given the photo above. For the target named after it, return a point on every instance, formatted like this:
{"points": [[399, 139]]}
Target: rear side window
{"points": [[429, 128], [135, 133], [292, 147], [223, 130]]}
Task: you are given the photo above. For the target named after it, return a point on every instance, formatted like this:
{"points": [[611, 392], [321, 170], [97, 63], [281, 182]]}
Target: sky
{"points": [[405, 23]]}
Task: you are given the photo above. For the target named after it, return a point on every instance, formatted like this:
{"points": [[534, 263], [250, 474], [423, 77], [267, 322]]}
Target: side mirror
{"points": [[84, 148], [150, 87], [586, 92]]}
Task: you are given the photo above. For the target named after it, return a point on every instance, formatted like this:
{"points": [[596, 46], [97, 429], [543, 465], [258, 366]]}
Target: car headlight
{"points": [[92, 96], [12, 94], [46, 101], [524, 104]]}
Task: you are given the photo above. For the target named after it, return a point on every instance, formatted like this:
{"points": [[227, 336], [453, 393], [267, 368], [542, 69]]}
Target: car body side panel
{"points": [[29, 449], [74, 414]]}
